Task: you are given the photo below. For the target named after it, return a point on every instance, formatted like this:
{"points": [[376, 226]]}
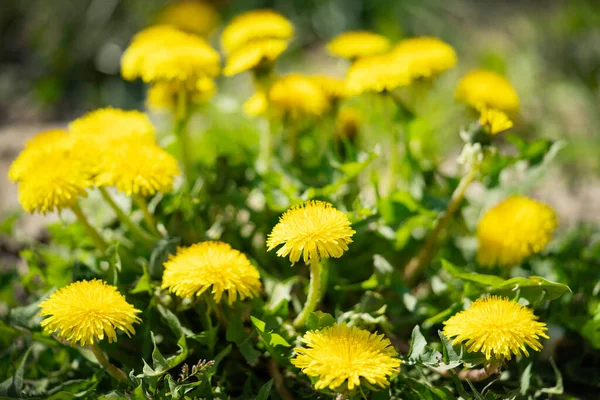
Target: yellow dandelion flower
{"points": [[256, 24], [163, 53], [313, 230], [296, 95], [427, 56], [256, 105], [162, 96], [211, 265], [358, 44], [494, 121], [334, 88], [113, 125], [197, 17], [514, 230], [348, 123], [254, 54], [497, 327], [339, 355], [480, 88], [377, 73], [86, 311], [36, 147], [136, 169], [53, 181]]}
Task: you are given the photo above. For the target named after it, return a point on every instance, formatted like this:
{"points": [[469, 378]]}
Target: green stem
{"points": [[392, 166], [313, 294], [149, 218], [183, 137], [124, 218], [113, 371], [94, 234], [418, 263], [265, 146]]}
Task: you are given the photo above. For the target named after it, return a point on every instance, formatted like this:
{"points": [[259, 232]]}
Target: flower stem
{"points": [[94, 234], [124, 218], [113, 371], [149, 218], [418, 263], [392, 166], [313, 294], [182, 133]]}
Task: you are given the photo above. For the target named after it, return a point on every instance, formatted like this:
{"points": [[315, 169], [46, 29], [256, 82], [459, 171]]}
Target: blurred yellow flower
{"points": [[480, 88], [497, 327], [514, 230], [164, 53], [254, 54], [377, 74], [348, 123], [340, 354], [427, 56], [334, 88], [211, 265], [313, 230], [86, 311], [494, 121], [358, 44], [37, 147], [197, 17], [53, 181], [113, 125], [137, 169], [162, 96], [296, 96], [256, 24], [256, 105]]}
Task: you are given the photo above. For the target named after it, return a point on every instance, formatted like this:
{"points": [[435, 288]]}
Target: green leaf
{"points": [[14, 384], [265, 391], [160, 253], [525, 379], [482, 279], [559, 387], [532, 288], [417, 344], [144, 284], [319, 320]]}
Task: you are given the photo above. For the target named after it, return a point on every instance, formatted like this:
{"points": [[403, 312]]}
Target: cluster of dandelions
{"points": [[111, 148]]}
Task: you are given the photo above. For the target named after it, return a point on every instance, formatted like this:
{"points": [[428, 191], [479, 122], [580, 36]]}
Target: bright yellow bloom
{"points": [[86, 311], [340, 354], [162, 96], [211, 265], [334, 88], [494, 121], [256, 104], [497, 327], [163, 53], [377, 73], [112, 125], [254, 54], [514, 230], [197, 17], [480, 88], [138, 169], [256, 24], [296, 95], [427, 56], [37, 147], [53, 181], [358, 44], [313, 230]]}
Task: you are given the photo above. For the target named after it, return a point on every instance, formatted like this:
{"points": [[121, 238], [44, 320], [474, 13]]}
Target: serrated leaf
{"points": [[532, 288], [525, 379], [14, 384], [319, 320], [482, 279]]}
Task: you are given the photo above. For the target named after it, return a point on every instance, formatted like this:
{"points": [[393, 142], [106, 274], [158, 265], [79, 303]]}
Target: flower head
{"points": [[162, 96], [163, 53], [296, 95], [334, 88], [197, 17], [253, 25], [514, 230], [113, 125], [358, 44], [313, 230], [494, 121], [86, 311], [497, 327], [254, 54], [211, 265], [136, 169], [339, 355], [378, 73], [256, 104], [427, 56], [480, 88], [53, 181]]}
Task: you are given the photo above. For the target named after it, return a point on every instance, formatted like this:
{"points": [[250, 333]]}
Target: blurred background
{"points": [[60, 58]]}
